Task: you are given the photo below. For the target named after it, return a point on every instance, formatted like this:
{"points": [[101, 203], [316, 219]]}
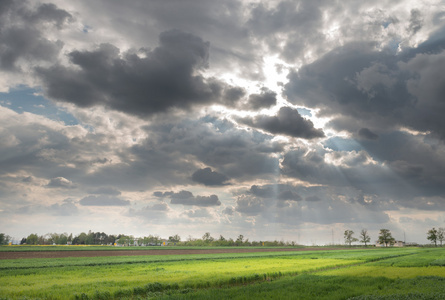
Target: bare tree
{"points": [[349, 239], [364, 237], [432, 236], [441, 235]]}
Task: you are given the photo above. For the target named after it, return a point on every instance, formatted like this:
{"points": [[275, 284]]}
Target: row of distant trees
{"points": [[101, 238], [385, 237], [90, 238], [208, 240]]}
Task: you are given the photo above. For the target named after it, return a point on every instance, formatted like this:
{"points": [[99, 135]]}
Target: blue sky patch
{"points": [[25, 99]]}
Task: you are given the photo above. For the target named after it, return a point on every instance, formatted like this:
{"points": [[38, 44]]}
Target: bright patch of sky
{"points": [[25, 99]]}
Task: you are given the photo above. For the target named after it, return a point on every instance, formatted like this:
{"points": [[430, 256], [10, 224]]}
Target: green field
{"points": [[395, 273]]}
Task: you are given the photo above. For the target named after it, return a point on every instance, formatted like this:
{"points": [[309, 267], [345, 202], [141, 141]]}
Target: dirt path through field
{"points": [[95, 253]]}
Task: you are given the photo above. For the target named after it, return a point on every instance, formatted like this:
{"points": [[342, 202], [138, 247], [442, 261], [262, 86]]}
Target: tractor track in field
{"points": [[97, 253]]}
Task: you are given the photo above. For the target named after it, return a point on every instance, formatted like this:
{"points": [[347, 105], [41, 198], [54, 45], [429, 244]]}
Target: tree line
{"points": [[385, 237], [436, 236], [101, 238]]}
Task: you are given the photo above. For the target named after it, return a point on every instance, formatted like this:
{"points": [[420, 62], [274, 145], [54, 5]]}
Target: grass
{"points": [[325, 274]]}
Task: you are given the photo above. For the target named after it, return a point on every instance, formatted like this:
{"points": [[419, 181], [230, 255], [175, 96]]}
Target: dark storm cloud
{"points": [[367, 134], [159, 80], [265, 99], [103, 201], [22, 34], [187, 198], [379, 88], [210, 178], [288, 121]]}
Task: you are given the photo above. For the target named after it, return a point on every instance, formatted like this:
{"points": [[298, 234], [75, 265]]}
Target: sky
{"points": [[277, 120]]}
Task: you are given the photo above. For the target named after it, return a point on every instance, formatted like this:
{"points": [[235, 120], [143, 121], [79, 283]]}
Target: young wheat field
{"points": [[393, 273]]}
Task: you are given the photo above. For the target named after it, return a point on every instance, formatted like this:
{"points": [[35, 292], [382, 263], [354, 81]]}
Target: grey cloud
{"points": [[22, 37], [197, 213], [312, 198], [367, 134], [221, 22], [229, 210], [165, 78], [377, 88], [219, 144], [289, 195], [232, 95], [103, 201], [60, 182], [182, 195], [288, 121], [210, 178], [154, 212], [66, 208], [105, 191], [277, 191], [323, 205], [162, 194], [249, 205], [266, 99], [415, 21], [298, 22], [187, 198]]}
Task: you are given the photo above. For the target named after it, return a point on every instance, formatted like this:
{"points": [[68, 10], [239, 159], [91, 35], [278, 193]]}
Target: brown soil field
{"points": [[95, 253]]}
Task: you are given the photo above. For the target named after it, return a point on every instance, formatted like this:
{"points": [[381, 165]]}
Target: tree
{"points": [[349, 239], [175, 238], [207, 237], [32, 239], [432, 236], [4, 239], [385, 237], [364, 237], [239, 240], [441, 235]]}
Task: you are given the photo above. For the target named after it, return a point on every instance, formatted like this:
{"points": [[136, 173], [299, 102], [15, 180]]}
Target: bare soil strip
{"points": [[96, 253]]}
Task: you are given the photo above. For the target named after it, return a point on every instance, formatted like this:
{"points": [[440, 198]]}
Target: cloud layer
{"points": [[261, 118]]}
